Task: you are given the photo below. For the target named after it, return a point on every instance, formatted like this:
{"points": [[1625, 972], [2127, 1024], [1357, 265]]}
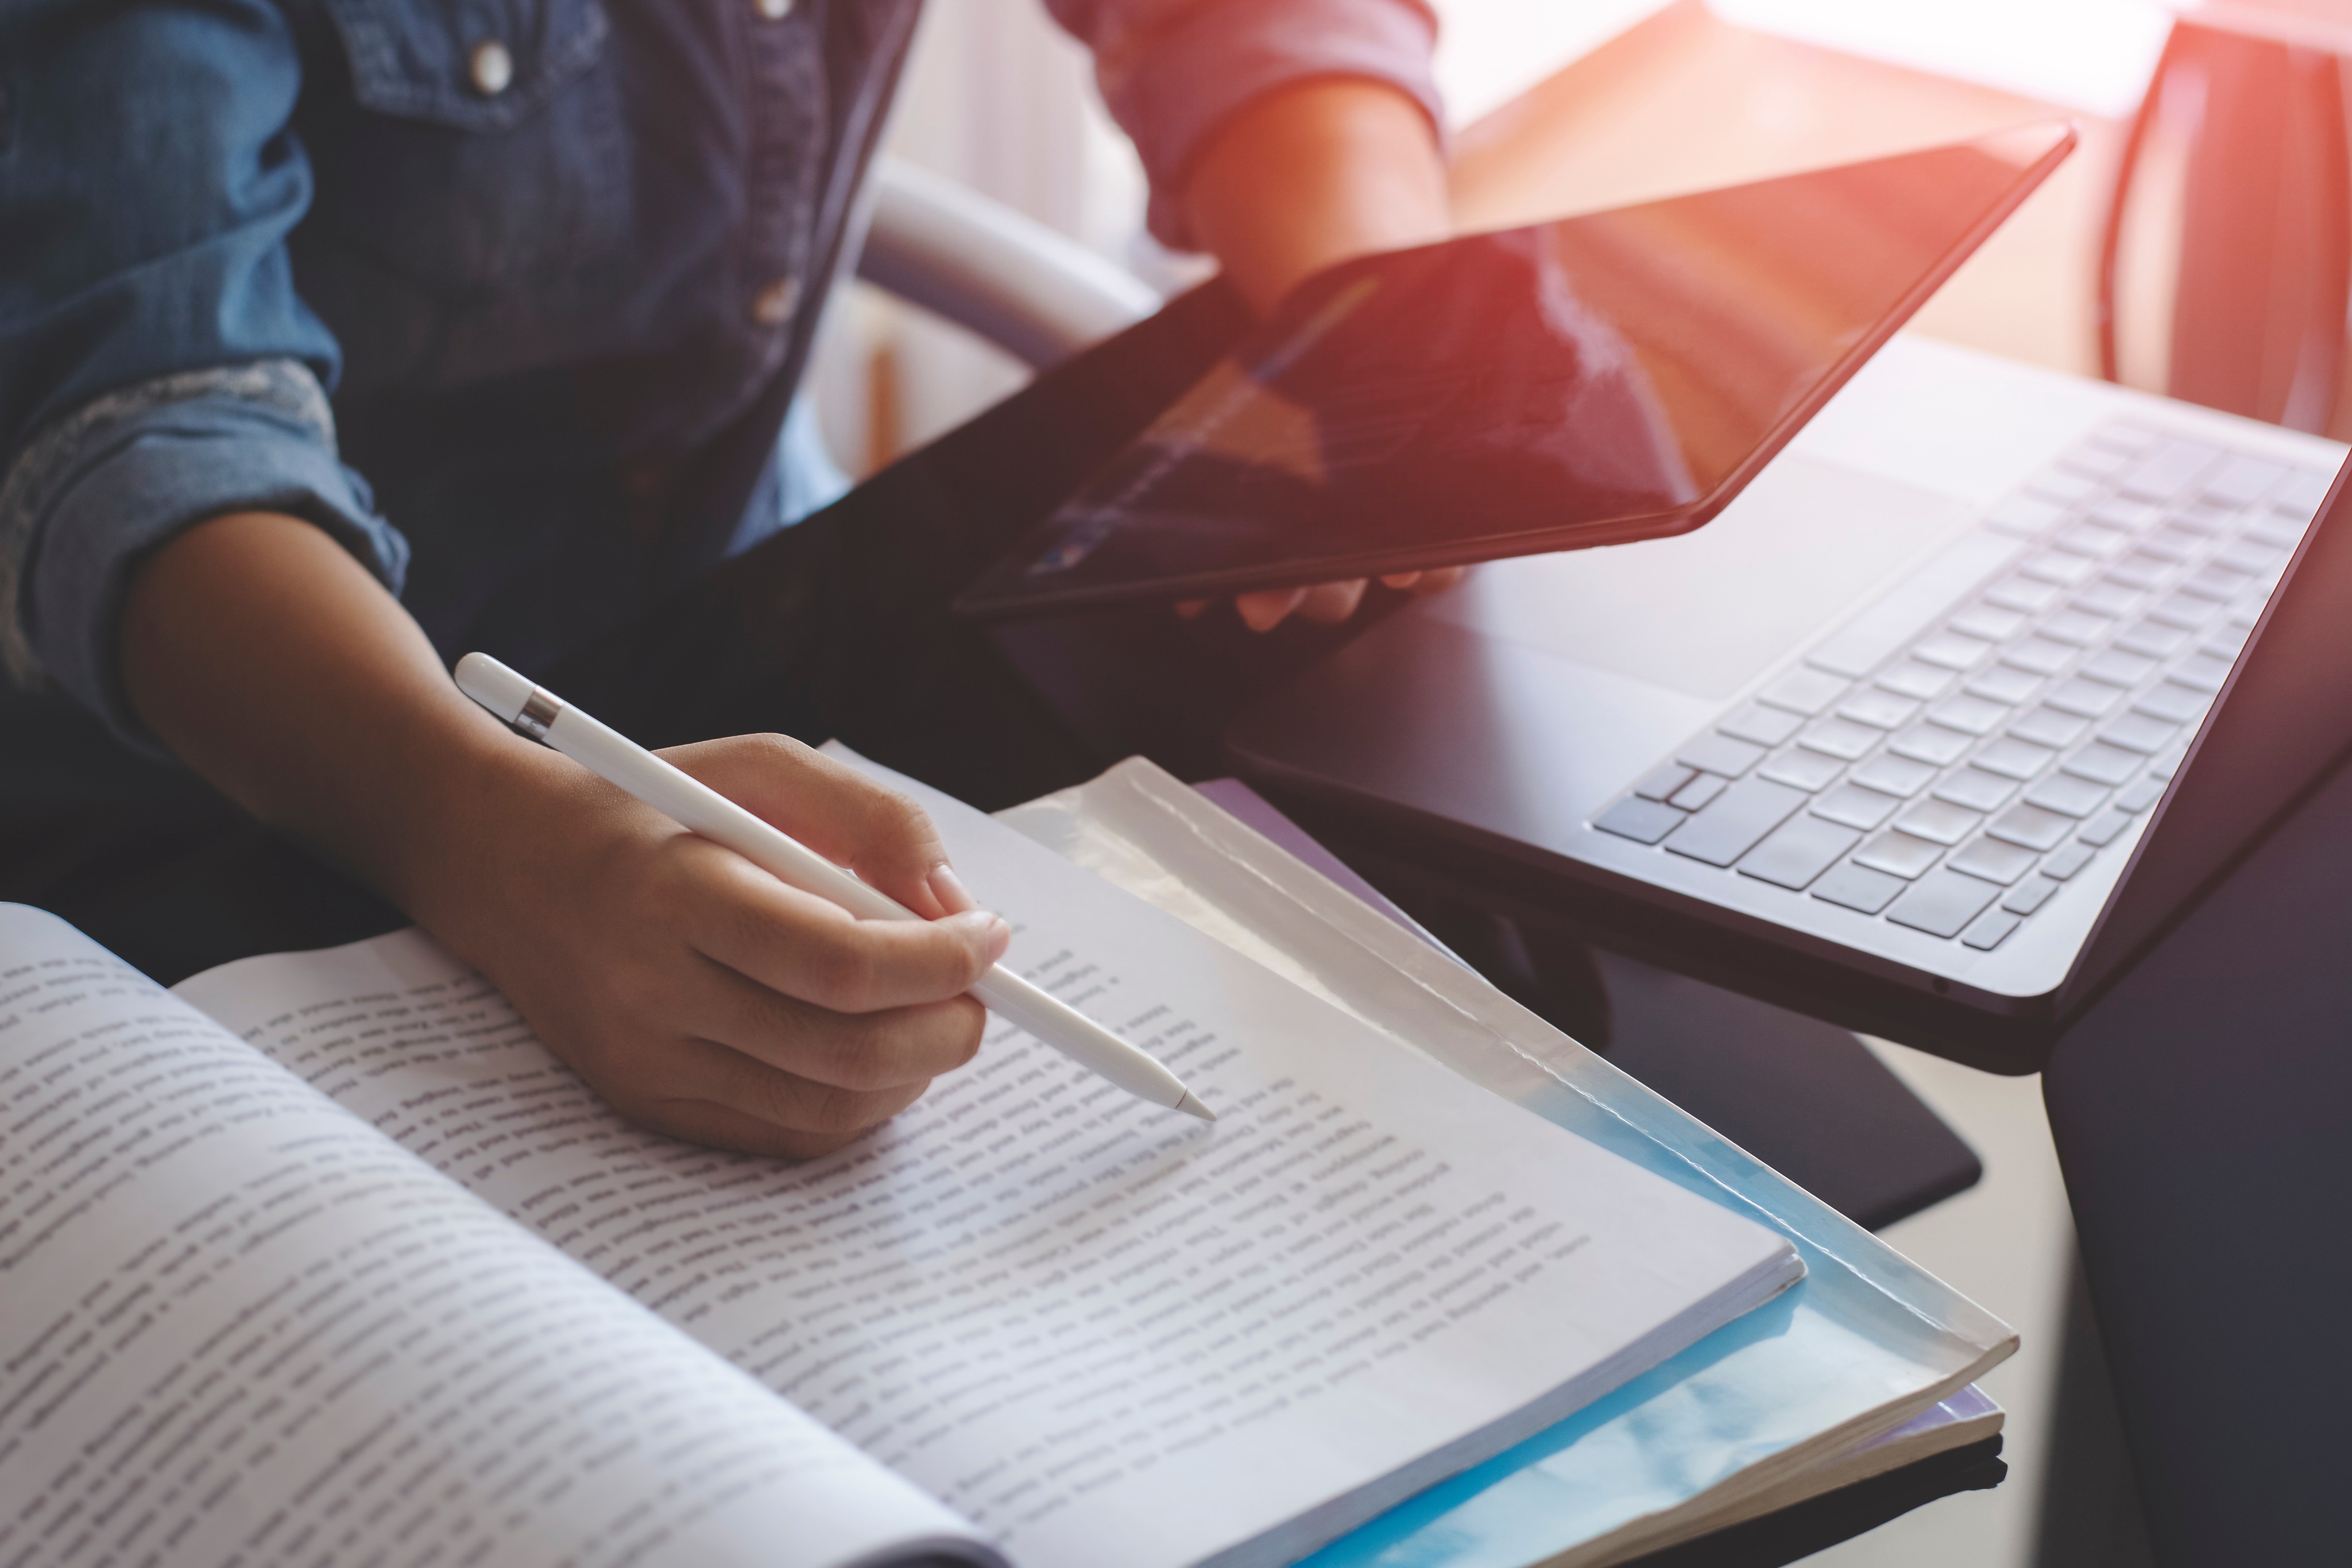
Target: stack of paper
{"points": [[1866, 1365]]}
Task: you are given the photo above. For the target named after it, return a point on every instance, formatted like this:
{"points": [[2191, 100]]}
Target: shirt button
{"points": [[491, 67], [774, 10], [772, 306]]}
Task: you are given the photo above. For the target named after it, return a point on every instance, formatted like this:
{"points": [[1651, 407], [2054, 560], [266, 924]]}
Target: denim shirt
{"points": [[476, 286]]}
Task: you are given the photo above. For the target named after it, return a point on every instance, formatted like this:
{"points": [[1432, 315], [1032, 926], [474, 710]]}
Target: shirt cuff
{"points": [[100, 487], [1172, 87]]}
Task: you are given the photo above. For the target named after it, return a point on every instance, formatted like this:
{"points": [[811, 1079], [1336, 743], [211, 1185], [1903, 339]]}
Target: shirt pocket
{"points": [[485, 147]]}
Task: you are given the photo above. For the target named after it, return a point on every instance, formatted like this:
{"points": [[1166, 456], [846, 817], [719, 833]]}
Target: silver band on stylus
{"points": [[539, 711]]}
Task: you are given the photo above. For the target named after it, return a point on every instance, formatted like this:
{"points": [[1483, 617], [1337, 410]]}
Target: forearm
{"points": [[272, 663], [1314, 175]]}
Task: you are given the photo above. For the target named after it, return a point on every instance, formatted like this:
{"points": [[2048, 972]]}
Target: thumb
{"points": [[885, 838]]}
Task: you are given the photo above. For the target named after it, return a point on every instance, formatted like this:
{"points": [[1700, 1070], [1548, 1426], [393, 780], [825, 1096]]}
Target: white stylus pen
{"points": [[697, 808]]}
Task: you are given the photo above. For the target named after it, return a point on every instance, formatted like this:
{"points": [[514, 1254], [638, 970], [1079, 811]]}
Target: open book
{"points": [[326, 1259]]}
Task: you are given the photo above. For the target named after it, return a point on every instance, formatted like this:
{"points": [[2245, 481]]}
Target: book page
{"points": [[237, 1325], [1077, 1319]]}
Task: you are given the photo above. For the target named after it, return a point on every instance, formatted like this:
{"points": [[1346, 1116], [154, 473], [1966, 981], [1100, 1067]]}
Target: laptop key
{"points": [[2023, 594], [1803, 690], [1858, 887], [1643, 822], [2139, 570], [1912, 679], [1702, 789], [1878, 710], [2169, 469], [2172, 704], [2117, 667], [2139, 732], [2028, 895], [2031, 827], [1798, 851], [2301, 491], [1800, 769], [2075, 628], [2140, 796], [1762, 725], [1720, 754], [2185, 610], [1994, 860], [1991, 929], [2103, 764], [1930, 743], [2112, 600], [1988, 621], [2227, 642], [1739, 817], [2123, 512], [1950, 650], [2246, 556], [1942, 902], [2105, 829], [1898, 854], [1840, 737], [1892, 775], [2014, 758], [2060, 569], [1662, 783], [2199, 673], [2067, 795], [2168, 761], [2048, 727], [2153, 638], [1941, 821], [2095, 540], [2240, 481], [2277, 532], [2170, 546], [2003, 684], [2083, 699], [2068, 861], [1855, 807], [2215, 581], [2202, 518], [1975, 788], [1969, 716], [2039, 654]]}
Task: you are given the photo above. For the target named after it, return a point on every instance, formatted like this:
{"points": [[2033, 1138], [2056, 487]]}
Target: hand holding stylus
{"points": [[703, 811]]}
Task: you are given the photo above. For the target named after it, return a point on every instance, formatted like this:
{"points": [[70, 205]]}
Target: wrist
{"points": [[1313, 174]]}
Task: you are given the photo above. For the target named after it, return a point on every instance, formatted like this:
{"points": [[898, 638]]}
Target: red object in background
{"points": [[2245, 122]]}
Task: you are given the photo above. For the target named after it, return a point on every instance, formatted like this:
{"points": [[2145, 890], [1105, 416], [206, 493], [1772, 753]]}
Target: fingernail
{"points": [[949, 891], [994, 934]]}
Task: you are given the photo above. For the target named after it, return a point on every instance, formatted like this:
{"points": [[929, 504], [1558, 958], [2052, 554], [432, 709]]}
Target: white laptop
{"points": [[1903, 713]]}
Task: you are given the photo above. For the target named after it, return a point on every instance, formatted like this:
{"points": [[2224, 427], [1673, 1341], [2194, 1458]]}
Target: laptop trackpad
{"points": [[1705, 613]]}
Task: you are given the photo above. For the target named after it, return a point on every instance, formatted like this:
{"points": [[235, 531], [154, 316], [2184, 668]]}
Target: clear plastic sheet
{"points": [[1865, 1365]]}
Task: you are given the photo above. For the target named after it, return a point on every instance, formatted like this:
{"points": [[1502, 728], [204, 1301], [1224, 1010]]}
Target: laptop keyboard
{"points": [[1951, 778]]}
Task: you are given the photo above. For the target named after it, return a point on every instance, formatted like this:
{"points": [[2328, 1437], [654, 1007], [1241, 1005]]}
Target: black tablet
{"points": [[1592, 381]]}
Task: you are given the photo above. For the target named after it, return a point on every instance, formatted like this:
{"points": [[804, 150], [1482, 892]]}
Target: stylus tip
{"points": [[1191, 1107]]}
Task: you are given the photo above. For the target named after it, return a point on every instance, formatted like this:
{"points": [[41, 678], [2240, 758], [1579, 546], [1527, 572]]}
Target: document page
{"points": [[238, 1326], [1089, 1325]]}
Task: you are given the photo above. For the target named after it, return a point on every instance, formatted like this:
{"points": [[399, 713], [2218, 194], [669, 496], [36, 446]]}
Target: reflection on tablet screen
{"points": [[1601, 378]]}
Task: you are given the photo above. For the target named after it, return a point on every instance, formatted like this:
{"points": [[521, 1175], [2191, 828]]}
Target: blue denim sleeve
{"points": [[1172, 71], [156, 367]]}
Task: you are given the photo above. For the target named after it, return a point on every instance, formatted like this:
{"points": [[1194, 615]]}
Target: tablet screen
{"points": [[1612, 376]]}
